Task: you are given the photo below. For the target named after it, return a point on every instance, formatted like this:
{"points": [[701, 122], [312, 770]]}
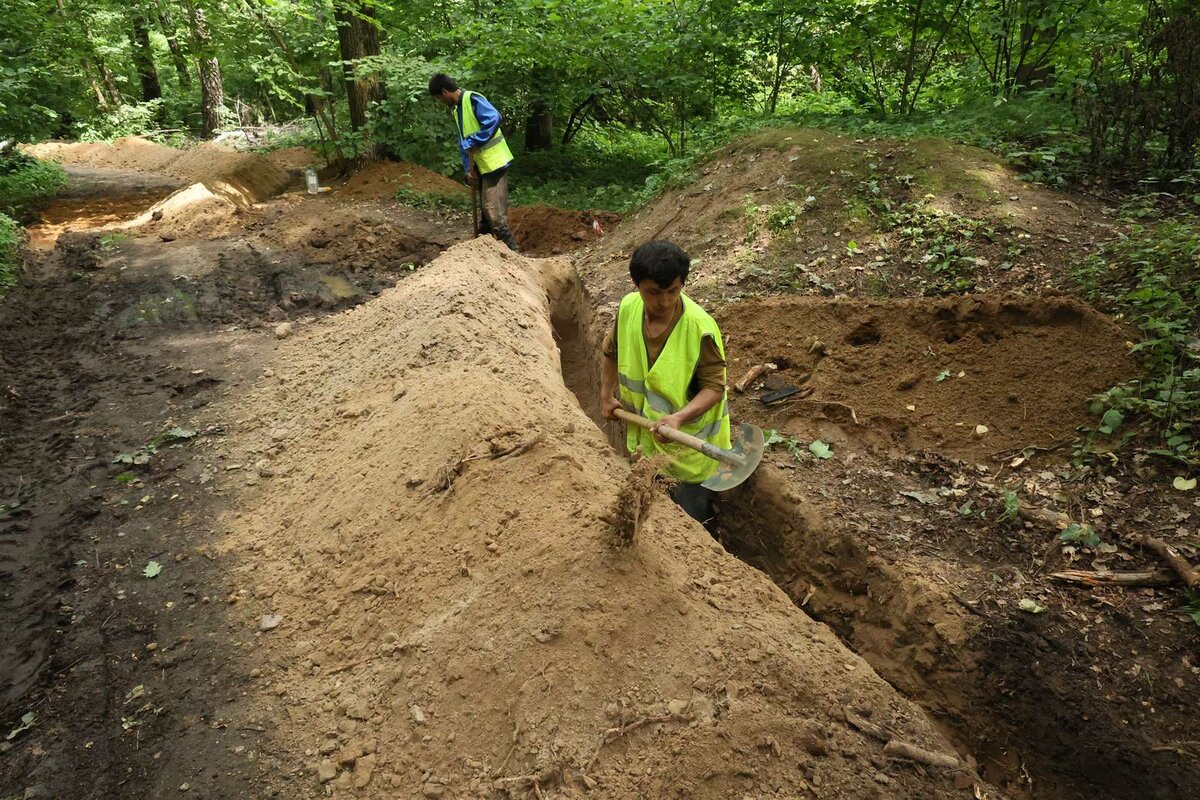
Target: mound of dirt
{"points": [[548, 231], [295, 159], [379, 180], [806, 210], [925, 373], [448, 612], [250, 176]]}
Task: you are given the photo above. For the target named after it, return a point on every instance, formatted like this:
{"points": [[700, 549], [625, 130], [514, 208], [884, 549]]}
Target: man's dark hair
{"points": [[661, 262], [442, 83]]}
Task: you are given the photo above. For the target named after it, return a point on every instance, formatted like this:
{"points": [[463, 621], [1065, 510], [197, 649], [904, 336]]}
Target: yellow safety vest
{"points": [[657, 391], [494, 153]]}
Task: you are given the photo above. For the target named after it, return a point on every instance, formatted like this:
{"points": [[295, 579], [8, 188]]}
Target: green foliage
{"points": [[10, 248], [433, 200], [1152, 275], [25, 180]]}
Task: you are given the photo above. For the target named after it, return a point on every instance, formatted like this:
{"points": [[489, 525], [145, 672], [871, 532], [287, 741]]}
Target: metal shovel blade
{"points": [[747, 441]]}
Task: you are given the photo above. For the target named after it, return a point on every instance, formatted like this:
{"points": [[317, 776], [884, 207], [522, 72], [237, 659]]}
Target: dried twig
{"points": [[1186, 572], [898, 749], [869, 728], [1126, 579]]}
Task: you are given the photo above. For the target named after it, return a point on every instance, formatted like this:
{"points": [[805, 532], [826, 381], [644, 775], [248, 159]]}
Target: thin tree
{"points": [[143, 56], [358, 38], [212, 91]]}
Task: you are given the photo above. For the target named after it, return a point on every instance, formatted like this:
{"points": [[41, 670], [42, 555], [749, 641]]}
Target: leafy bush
{"points": [[24, 179], [1152, 274], [10, 243], [137, 119]]}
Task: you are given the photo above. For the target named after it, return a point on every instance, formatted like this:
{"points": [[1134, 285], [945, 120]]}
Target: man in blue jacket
{"points": [[485, 154]]}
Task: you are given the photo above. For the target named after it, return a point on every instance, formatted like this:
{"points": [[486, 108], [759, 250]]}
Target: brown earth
{"points": [[547, 231], [902, 541], [775, 213], [380, 180], [295, 159], [394, 619], [922, 375], [249, 176]]}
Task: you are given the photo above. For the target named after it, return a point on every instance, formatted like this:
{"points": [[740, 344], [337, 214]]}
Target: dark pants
{"points": [[494, 186], [696, 501]]}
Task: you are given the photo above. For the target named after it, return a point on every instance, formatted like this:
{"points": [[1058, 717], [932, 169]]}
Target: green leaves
{"points": [[820, 449], [1111, 420], [1081, 534], [152, 569]]}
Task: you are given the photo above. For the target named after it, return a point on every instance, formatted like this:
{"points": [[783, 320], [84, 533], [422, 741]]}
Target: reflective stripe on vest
{"points": [[492, 154], [657, 391]]}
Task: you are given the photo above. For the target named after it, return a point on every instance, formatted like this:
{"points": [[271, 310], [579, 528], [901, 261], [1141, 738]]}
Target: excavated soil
{"points": [[339, 604], [381, 179], [547, 231], [910, 375], [248, 176]]}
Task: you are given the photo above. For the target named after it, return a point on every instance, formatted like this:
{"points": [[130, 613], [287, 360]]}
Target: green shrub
{"points": [[1152, 275], [24, 179], [10, 246]]}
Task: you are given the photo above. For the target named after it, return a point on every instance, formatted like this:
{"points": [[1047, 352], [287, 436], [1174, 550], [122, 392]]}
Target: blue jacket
{"points": [[489, 121]]}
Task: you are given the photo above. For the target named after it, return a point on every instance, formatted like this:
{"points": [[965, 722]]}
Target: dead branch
{"points": [[898, 749], [1186, 572], [612, 734], [824, 408], [753, 374], [1126, 579], [869, 728]]}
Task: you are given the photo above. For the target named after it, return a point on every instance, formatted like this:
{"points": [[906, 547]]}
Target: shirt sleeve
{"points": [[489, 122], [710, 369]]}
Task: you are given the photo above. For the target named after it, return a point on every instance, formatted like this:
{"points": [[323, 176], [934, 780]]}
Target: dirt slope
{"points": [[456, 620], [799, 210], [248, 176]]}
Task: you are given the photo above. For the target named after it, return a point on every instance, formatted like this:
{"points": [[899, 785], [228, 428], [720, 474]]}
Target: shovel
{"points": [[736, 464]]}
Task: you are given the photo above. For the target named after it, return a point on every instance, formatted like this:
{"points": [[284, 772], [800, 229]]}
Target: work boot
{"points": [[505, 235]]}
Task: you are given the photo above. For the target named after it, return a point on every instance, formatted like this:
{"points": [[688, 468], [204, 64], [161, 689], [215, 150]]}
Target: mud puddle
{"points": [[929, 597]]}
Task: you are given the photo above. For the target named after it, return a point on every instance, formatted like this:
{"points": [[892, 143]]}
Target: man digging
{"points": [[485, 154], [664, 360]]}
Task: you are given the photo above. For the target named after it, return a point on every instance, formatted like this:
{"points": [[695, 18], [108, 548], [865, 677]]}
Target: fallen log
{"points": [[1126, 579], [1186, 572]]}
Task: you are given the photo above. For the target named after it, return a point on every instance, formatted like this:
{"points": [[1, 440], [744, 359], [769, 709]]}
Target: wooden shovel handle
{"points": [[679, 437]]}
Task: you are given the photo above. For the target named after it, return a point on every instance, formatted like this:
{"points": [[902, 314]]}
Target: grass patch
{"points": [[25, 180], [435, 201]]}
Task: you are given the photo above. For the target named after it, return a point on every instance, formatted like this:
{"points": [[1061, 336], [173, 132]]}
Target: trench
{"points": [[977, 688]]}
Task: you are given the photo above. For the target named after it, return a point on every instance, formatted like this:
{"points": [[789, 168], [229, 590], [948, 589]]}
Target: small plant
{"points": [[784, 216], [1152, 275], [433, 200], [10, 249], [1012, 507]]}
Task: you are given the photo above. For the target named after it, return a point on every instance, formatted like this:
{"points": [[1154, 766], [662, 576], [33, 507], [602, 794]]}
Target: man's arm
{"points": [[608, 374], [704, 400], [608, 388]]}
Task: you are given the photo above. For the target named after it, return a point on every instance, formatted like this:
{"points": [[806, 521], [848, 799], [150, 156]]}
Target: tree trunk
{"points": [[110, 85], [212, 92], [143, 58], [539, 130], [358, 37], [177, 56]]}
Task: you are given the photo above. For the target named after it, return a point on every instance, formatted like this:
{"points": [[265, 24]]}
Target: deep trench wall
{"points": [[462, 610]]}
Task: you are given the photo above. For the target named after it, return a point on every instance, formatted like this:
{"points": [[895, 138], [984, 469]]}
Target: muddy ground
{"points": [[283, 648]]}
